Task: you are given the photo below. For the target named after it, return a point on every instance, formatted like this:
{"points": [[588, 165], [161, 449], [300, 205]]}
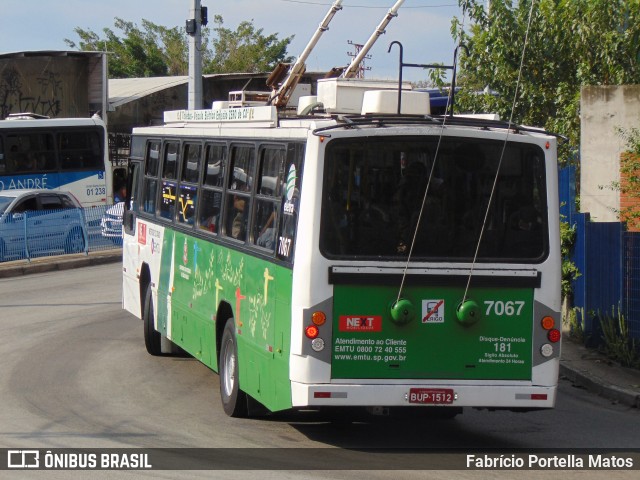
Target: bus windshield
{"points": [[374, 189]]}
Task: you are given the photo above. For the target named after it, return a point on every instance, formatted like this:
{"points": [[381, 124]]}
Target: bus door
{"points": [[130, 240]]}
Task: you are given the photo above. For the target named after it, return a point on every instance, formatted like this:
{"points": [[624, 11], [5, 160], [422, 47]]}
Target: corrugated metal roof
{"points": [[125, 90], [49, 53]]}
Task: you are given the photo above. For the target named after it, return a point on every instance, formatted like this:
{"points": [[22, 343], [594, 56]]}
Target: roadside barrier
{"points": [[34, 234]]}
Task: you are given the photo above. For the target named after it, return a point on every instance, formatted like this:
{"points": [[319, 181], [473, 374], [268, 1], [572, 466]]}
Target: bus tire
{"points": [[152, 338], [234, 400]]}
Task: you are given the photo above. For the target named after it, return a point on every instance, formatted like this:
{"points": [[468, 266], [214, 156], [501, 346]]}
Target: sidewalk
{"points": [[583, 367], [62, 262], [597, 373]]}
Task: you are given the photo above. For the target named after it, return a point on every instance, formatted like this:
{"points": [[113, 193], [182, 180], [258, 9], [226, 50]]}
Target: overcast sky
{"points": [[422, 26]]}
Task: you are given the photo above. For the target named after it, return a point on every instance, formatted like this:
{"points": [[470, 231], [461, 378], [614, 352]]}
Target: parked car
{"points": [[112, 223], [40, 222]]}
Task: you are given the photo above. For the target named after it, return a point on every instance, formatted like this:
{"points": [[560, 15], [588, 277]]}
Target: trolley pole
{"points": [[194, 30]]}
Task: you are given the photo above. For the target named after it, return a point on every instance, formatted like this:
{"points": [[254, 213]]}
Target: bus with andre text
{"points": [[68, 154]]}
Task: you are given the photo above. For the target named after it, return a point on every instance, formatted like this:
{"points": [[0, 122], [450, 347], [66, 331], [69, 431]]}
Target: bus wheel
{"points": [[234, 400], [152, 338], [74, 242]]}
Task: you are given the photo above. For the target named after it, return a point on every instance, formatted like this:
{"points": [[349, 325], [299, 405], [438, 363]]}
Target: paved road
{"points": [[75, 373]]}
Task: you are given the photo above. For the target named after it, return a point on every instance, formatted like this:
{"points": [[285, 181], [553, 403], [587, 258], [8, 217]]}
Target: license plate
{"points": [[431, 396]]}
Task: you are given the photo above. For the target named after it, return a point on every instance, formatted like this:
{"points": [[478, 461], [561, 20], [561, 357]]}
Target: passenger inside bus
{"points": [[267, 236], [210, 210], [120, 195], [237, 206]]}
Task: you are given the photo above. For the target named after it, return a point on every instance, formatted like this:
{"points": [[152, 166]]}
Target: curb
{"points": [[599, 387], [65, 262]]}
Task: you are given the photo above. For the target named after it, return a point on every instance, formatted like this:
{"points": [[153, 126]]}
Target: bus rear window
{"points": [[374, 190]]}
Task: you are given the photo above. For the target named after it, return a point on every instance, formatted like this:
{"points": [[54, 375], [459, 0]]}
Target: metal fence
{"points": [[608, 258], [631, 281], [34, 234]]}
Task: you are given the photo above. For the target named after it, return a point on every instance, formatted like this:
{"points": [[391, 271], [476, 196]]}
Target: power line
{"points": [[370, 6]]}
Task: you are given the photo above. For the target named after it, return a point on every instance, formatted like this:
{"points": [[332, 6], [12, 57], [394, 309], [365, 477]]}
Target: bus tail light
{"points": [[554, 335], [318, 318], [312, 331], [548, 323]]}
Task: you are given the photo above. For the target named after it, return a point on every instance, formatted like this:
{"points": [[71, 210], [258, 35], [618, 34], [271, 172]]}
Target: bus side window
{"points": [[215, 165], [169, 172], [150, 185], [187, 204], [290, 203], [168, 201], [268, 196], [133, 186], [171, 160], [188, 194], [79, 150], [210, 203], [212, 184], [238, 201], [46, 154]]}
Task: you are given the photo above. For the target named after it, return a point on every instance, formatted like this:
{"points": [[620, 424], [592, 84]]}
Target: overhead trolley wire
{"points": [[504, 147]]}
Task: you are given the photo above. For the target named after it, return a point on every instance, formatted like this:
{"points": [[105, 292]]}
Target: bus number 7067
{"points": [[501, 308]]}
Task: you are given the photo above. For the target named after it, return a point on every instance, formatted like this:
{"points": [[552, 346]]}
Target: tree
{"points": [[244, 50], [148, 52], [570, 44], [154, 50]]}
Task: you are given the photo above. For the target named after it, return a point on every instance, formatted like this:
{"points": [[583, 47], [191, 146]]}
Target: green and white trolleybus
{"points": [[331, 260]]}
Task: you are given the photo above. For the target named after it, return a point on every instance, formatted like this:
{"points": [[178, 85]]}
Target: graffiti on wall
{"points": [[16, 95]]}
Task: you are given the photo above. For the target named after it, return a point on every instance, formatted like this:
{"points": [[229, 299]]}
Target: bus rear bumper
{"points": [[411, 395]]}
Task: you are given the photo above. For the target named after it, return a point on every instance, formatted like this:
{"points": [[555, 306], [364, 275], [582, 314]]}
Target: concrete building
{"points": [[604, 109], [53, 83]]}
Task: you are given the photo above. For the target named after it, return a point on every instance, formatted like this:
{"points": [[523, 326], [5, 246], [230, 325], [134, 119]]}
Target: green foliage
{"points": [[618, 343], [153, 50], [244, 50], [631, 138], [575, 321], [569, 270], [150, 51], [571, 44]]}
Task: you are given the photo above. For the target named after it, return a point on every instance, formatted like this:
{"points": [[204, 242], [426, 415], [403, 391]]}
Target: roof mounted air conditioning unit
{"points": [[345, 95], [386, 102]]}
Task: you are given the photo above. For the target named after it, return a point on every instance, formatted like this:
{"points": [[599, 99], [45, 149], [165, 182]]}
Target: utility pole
{"points": [[194, 30], [362, 68], [353, 67]]}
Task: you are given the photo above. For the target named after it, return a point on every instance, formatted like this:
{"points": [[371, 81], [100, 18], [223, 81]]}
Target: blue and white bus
{"points": [[68, 154]]}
